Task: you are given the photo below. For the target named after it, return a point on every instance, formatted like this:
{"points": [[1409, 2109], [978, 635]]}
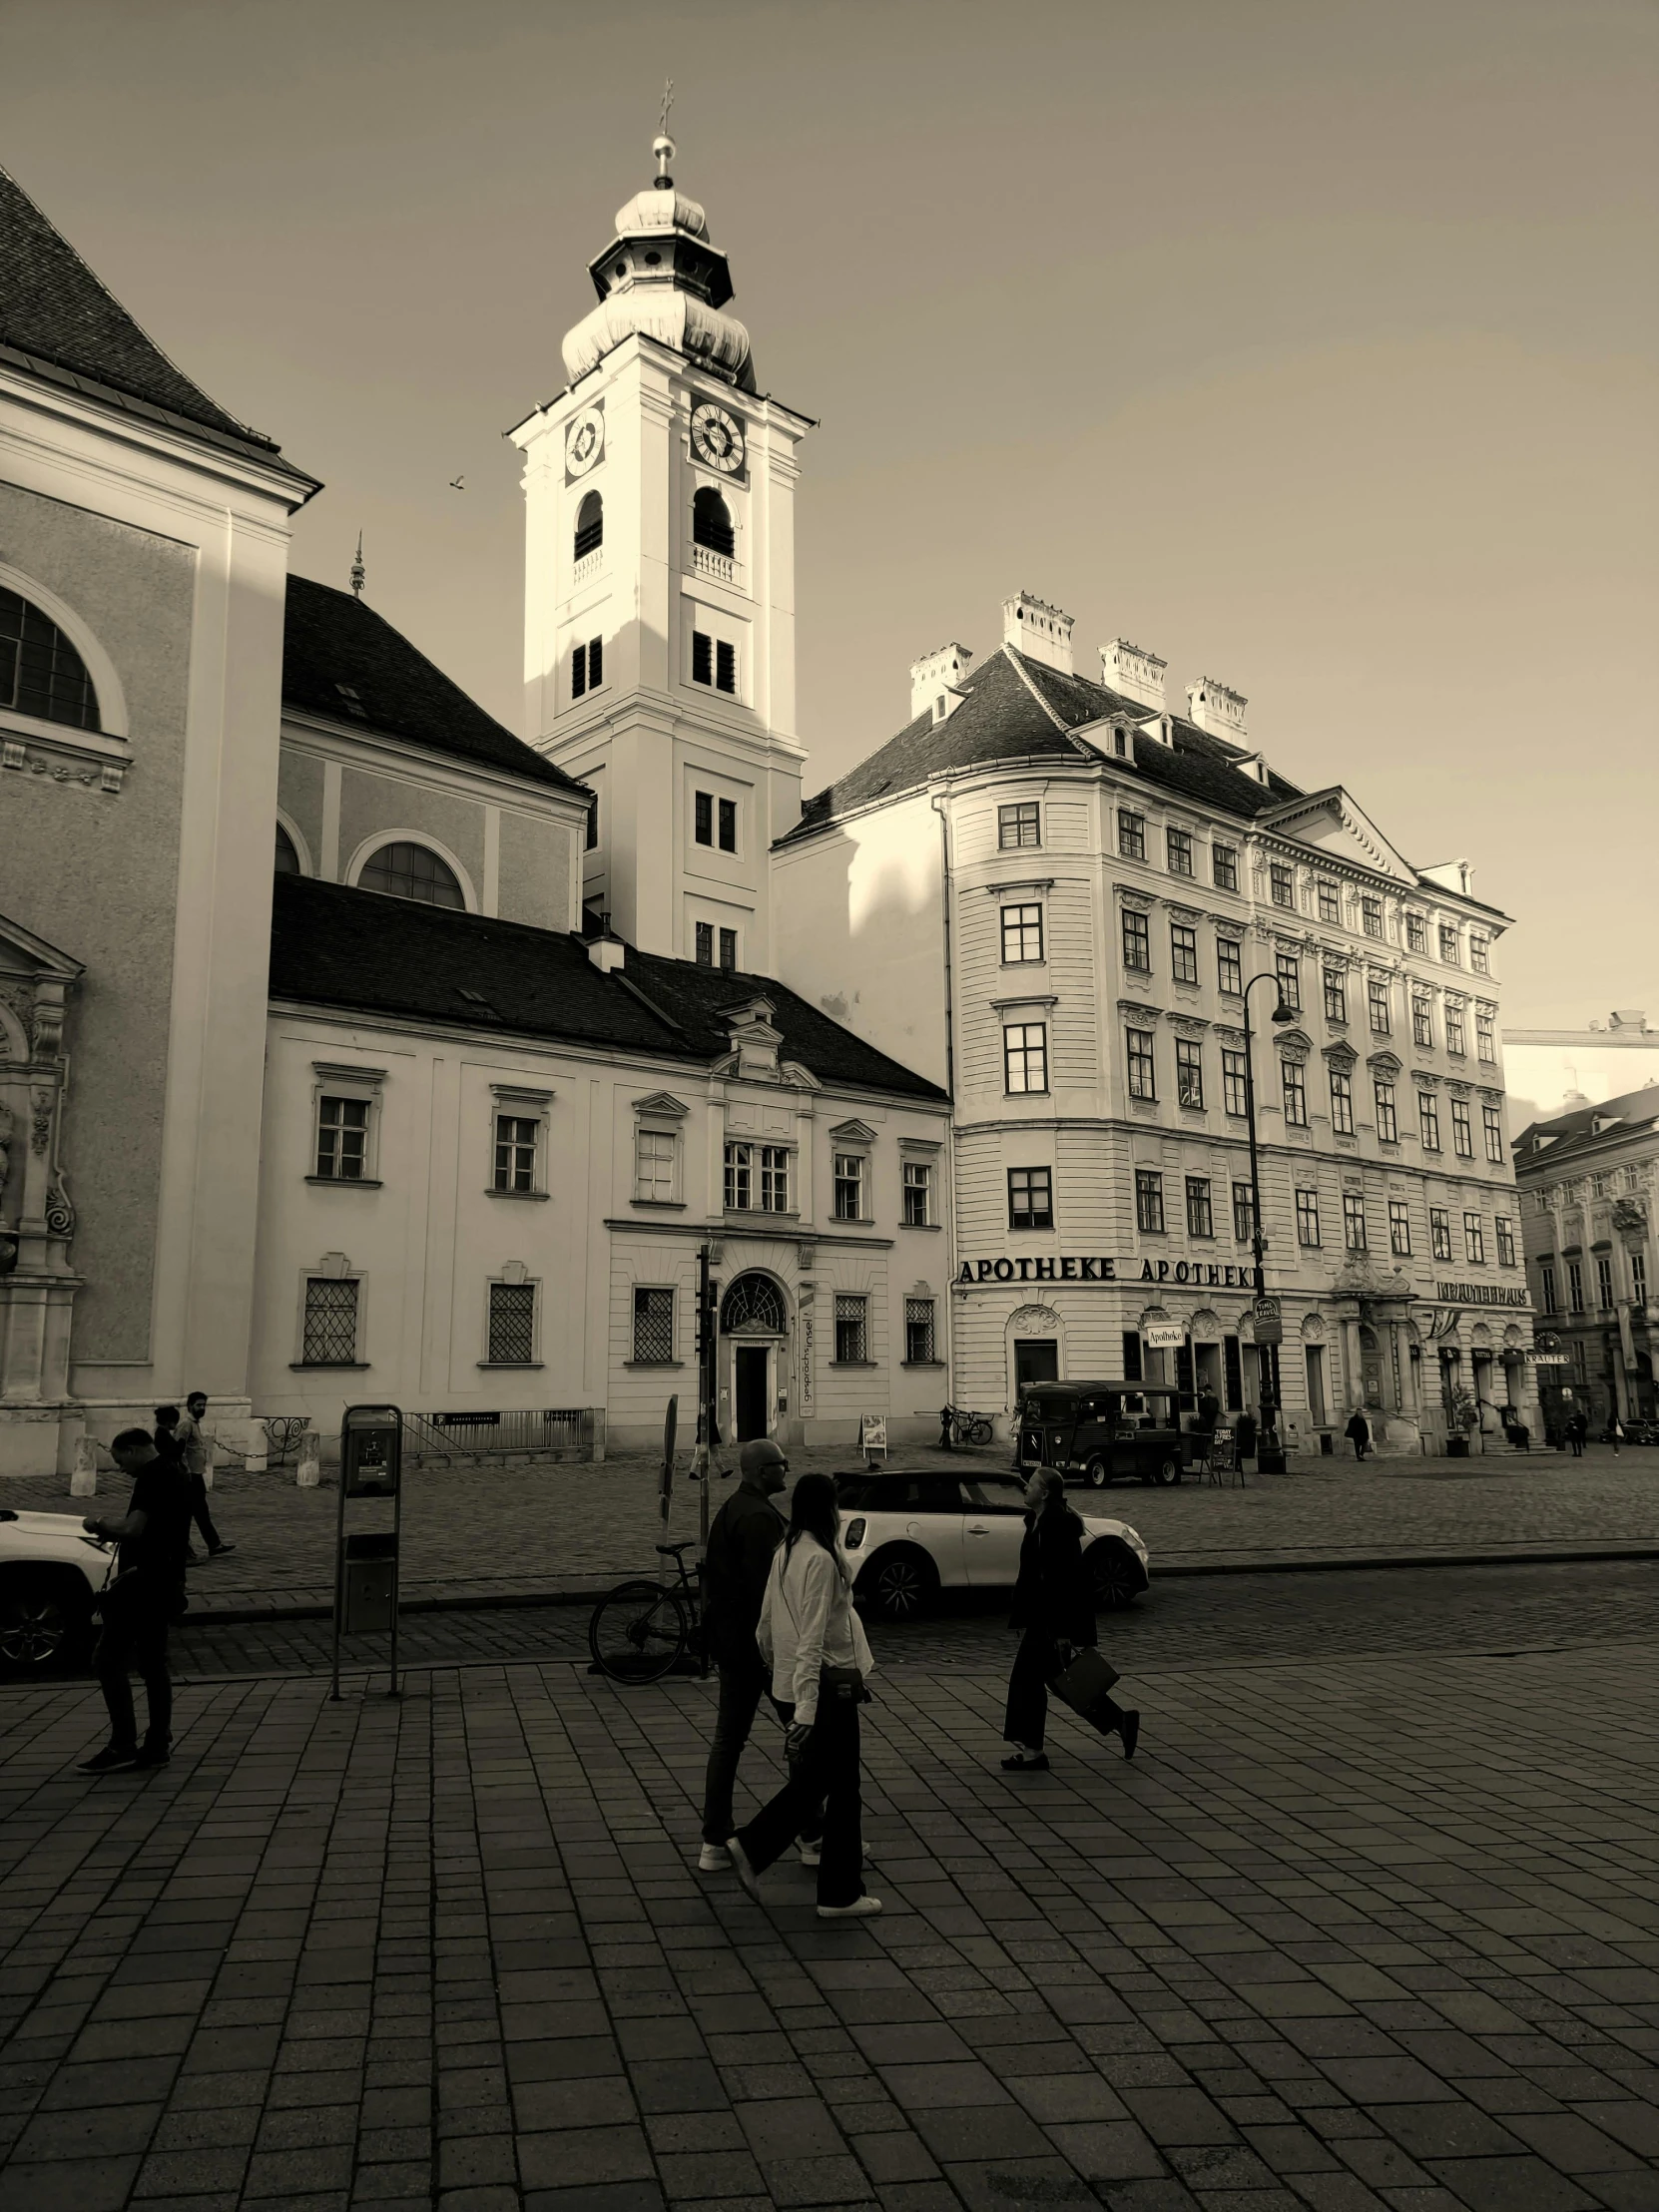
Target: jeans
{"points": [[1036, 1663], [743, 1684], [199, 1509], [136, 1635], [826, 1776]]}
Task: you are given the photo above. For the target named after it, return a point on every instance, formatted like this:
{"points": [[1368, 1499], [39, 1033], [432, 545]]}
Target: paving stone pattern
{"points": [[1359, 1934]]}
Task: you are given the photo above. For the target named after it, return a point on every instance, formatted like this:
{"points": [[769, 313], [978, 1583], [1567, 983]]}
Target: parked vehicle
{"points": [[50, 1572], [1102, 1432], [1640, 1432], [909, 1536]]}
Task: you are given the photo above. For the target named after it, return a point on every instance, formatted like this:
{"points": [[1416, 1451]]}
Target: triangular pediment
{"points": [[660, 1102], [23, 954], [1333, 822], [853, 1132]]}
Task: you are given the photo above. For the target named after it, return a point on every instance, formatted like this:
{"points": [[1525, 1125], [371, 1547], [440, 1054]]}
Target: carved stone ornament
{"points": [[40, 1133], [1136, 1012], [1235, 1036], [46, 1028], [1341, 1055], [1184, 913], [1034, 1318], [1140, 900], [60, 1214], [1384, 1064], [1187, 1025], [1629, 1214], [1426, 1080], [1457, 1090], [1228, 925]]}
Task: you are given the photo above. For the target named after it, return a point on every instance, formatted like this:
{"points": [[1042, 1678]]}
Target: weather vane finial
{"points": [[668, 102], [359, 574]]}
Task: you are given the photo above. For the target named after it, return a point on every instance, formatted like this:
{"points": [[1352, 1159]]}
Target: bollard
{"points": [[308, 1472], [84, 1481]]}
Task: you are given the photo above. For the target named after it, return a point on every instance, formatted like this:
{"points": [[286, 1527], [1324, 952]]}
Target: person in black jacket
{"points": [[1054, 1606], [747, 1531]]}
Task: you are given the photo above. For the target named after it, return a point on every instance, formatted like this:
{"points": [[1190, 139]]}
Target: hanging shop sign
{"points": [[1159, 1336], [1270, 1322], [1208, 1275]]}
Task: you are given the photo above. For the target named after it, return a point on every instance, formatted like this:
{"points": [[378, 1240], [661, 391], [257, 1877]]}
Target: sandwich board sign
{"points": [[872, 1435]]}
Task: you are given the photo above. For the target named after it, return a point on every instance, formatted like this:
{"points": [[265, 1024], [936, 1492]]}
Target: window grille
{"points": [[41, 674], [1575, 1286], [728, 826], [1417, 934], [1448, 943], [515, 1152], [1423, 1020], [704, 827], [1485, 1041], [343, 1139], [1030, 1198], [1551, 1301], [653, 1326], [1491, 1118], [852, 1330], [512, 1324], [1018, 826], [406, 870], [729, 948], [329, 1336], [1453, 1026], [774, 1179], [754, 1303], [1479, 954], [918, 1331]]}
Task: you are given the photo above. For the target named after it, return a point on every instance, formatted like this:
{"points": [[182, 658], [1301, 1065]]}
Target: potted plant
{"points": [[1463, 1412]]}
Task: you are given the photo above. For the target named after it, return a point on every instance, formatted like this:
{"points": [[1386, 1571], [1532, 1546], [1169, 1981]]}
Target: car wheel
{"points": [[1169, 1470], [1115, 1574], [1097, 1473], [899, 1584], [45, 1619]]}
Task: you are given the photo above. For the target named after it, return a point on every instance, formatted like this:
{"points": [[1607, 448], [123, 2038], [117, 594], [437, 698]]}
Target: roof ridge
{"points": [[1015, 660]]}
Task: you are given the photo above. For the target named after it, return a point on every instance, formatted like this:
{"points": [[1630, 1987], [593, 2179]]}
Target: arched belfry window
{"points": [[405, 870], [287, 858], [712, 522], [41, 673], [589, 525]]}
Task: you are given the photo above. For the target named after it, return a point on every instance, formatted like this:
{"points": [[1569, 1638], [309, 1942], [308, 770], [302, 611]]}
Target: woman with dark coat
{"points": [[1358, 1430], [1054, 1606]]}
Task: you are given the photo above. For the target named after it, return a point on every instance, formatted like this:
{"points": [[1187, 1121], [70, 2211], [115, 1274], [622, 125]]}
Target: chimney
{"points": [[1137, 675], [1038, 630], [1217, 708], [607, 953], [1629, 1017], [934, 681]]}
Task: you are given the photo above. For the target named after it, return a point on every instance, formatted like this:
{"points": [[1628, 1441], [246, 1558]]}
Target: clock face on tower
{"points": [[716, 437], [585, 441]]}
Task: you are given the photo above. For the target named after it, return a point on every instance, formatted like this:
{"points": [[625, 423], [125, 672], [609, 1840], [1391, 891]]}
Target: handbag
{"points": [[1086, 1686]]}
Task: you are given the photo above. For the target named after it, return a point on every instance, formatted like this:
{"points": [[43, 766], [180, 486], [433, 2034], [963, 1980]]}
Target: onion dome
{"points": [[662, 277]]}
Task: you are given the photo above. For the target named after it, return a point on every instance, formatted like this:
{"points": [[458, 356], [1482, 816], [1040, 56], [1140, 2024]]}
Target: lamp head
{"points": [[1283, 1013]]}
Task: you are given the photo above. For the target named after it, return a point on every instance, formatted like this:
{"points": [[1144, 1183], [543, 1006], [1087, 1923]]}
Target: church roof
{"points": [[342, 660], [60, 320], [358, 949], [1015, 709]]}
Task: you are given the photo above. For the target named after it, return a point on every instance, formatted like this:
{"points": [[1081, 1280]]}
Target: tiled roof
{"points": [[333, 647], [58, 314], [356, 950], [1015, 709], [1574, 1130]]}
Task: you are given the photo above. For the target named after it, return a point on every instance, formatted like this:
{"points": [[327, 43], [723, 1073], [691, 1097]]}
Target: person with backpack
{"points": [[1054, 1607]]}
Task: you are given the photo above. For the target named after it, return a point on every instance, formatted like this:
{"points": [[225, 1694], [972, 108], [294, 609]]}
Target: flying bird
{"points": [[458, 483]]}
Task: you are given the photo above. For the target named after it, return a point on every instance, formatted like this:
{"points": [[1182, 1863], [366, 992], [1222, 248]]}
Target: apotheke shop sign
{"points": [[1205, 1274]]}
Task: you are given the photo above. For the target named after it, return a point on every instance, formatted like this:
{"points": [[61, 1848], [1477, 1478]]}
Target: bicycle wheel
{"points": [[637, 1632], [979, 1433]]}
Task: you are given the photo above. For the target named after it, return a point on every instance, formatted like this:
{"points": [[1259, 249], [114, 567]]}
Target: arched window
{"points": [[712, 522], [40, 671], [589, 525], [413, 872], [288, 860], [753, 1303]]}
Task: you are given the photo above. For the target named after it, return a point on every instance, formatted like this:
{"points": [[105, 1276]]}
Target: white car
{"points": [[909, 1536], [50, 1572]]}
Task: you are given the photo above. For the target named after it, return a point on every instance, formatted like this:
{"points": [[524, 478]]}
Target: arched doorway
{"points": [[754, 1334]]}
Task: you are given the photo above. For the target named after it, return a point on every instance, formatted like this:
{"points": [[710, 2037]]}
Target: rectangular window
{"points": [[1149, 1200], [852, 1330], [918, 1331], [704, 831], [1224, 865], [1575, 1287], [1244, 1214], [729, 948], [1448, 943], [1505, 1241], [1230, 967], [1018, 826], [1330, 903], [1131, 834], [739, 1178], [512, 1331], [328, 1338], [1486, 1040], [1335, 995], [1143, 1072], [1481, 953], [705, 944], [1429, 1121], [1296, 1094], [1399, 1229], [1422, 1019], [918, 1194], [728, 826], [1137, 942], [849, 1186], [1233, 1081], [1026, 1058], [1638, 1275], [1308, 1217], [1454, 1026], [1605, 1280], [1387, 1126], [774, 1179], [1417, 934], [1548, 1278], [1354, 1221], [1189, 1072], [1288, 968], [590, 842], [1463, 1131], [725, 667], [1030, 1198], [654, 1165], [1341, 1102], [1439, 1232], [653, 1326], [515, 1152], [1281, 882], [596, 663], [1370, 916], [578, 670], [1382, 1016], [1491, 1118], [1474, 1239], [1022, 934], [343, 1139], [1180, 847], [1183, 953], [1200, 1217], [703, 656]]}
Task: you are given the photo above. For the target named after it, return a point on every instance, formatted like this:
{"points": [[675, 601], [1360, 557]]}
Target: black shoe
{"points": [[110, 1760], [1026, 1762], [218, 1551], [1129, 1728], [153, 1755]]}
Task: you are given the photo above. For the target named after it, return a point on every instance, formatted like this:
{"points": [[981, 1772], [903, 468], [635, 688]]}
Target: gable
{"points": [[1332, 822]]}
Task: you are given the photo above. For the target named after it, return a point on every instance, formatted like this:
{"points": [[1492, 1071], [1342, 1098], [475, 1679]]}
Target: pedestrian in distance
{"points": [[192, 1446], [1359, 1429], [144, 1597], [1577, 1429], [1054, 1609], [815, 1643], [1615, 1433], [945, 1444], [745, 1532]]}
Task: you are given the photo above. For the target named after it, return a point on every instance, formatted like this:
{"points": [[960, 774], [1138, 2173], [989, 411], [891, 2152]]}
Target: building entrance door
{"points": [[1370, 1368], [754, 1396], [1036, 1360], [1316, 1384]]}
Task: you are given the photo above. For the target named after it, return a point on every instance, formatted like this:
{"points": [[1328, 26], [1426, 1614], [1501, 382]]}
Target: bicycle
{"points": [[966, 1428], [642, 1630]]}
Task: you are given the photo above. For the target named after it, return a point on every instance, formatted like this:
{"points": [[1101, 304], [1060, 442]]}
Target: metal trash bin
{"points": [[369, 1582]]}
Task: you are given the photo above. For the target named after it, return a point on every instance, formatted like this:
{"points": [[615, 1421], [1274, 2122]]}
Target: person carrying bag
{"points": [[815, 1643], [1054, 1607]]}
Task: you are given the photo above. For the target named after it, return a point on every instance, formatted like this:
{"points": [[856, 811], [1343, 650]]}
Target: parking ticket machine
{"points": [[365, 1559]]}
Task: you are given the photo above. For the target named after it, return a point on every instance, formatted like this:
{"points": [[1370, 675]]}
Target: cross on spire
{"points": [[668, 102]]}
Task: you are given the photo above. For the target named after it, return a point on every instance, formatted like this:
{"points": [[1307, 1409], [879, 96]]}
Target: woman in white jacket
{"points": [[815, 1644]]}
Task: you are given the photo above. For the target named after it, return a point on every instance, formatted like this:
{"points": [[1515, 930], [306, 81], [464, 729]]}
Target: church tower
{"points": [[660, 592]]}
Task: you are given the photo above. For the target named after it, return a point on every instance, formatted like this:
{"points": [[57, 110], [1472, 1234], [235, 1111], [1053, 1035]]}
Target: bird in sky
{"points": [[458, 483]]}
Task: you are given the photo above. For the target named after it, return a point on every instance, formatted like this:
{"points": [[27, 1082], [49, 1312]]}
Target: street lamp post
{"points": [[1270, 1457]]}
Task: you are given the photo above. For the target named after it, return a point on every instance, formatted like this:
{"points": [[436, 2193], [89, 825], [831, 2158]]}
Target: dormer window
{"points": [[589, 525], [711, 523], [41, 673]]}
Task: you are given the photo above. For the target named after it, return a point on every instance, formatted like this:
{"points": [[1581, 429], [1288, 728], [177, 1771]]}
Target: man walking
{"points": [[1359, 1429], [193, 1448], [137, 1606], [747, 1531]]}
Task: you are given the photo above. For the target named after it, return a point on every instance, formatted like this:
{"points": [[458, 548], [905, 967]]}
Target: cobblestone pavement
{"points": [[1351, 1933], [1245, 1617], [477, 1533]]}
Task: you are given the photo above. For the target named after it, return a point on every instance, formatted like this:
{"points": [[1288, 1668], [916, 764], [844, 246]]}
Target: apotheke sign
{"points": [[1207, 1275]]}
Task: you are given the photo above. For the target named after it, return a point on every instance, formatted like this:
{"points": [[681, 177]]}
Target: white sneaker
{"points": [[812, 1855], [742, 1869], [713, 1859], [862, 1908]]}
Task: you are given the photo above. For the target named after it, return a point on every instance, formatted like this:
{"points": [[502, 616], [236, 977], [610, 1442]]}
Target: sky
{"points": [[1309, 346]]}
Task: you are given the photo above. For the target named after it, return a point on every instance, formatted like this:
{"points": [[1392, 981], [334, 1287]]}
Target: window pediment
{"points": [[852, 1132], [1383, 1064], [660, 1105]]}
